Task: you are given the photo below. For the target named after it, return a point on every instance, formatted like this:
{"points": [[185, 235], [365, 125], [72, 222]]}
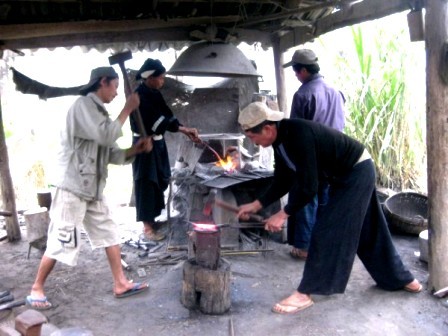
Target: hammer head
{"points": [[120, 58], [209, 202]]}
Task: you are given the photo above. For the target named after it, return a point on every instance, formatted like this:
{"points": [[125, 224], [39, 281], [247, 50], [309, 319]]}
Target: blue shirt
{"points": [[317, 101]]}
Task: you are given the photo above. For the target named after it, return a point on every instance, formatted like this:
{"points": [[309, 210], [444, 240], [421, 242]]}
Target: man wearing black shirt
{"points": [[352, 223]]}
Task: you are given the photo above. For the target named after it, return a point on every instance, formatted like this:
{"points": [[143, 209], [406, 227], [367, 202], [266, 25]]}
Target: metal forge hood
{"points": [[214, 60]]}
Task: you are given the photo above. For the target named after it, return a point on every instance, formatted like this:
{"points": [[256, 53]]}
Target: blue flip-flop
{"points": [[136, 289], [31, 302]]}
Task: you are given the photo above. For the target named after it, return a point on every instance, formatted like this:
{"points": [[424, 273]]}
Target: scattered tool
{"points": [[441, 292], [4, 293], [125, 265], [139, 244], [119, 59], [7, 298], [13, 304], [231, 328]]}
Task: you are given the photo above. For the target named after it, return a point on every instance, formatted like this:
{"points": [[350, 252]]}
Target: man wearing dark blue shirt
{"points": [[317, 101]]}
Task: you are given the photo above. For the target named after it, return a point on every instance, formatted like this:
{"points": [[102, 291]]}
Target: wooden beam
{"points": [[145, 39], [436, 34], [92, 39], [356, 13], [22, 31], [290, 12]]}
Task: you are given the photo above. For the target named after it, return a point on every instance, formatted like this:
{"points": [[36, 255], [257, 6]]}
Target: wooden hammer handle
{"points": [[235, 209], [128, 91]]}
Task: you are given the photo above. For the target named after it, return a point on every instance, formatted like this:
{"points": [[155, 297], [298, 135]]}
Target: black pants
{"points": [[352, 223]]}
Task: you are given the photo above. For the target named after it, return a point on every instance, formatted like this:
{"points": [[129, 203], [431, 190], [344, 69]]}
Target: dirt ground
{"points": [[83, 294]]}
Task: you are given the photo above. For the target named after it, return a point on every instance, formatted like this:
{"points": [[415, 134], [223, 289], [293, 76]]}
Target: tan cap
{"points": [[255, 113], [302, 56]]}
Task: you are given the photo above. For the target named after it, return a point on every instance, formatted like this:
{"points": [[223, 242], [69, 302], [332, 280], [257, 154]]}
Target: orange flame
{"points": [[227, 164]]}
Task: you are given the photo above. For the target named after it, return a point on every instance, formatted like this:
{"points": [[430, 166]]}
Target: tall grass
{"points": [[379, 109]]}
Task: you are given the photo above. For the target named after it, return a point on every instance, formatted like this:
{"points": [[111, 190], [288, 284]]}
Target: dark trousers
{"points": [[301, 223], [352, 223]]}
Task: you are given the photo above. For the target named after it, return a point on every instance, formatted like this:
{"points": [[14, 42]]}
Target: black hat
{"points": [[151, 67], [96, 75]]}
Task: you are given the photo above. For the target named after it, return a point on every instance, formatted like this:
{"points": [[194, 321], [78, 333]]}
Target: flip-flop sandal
{"points": [[31, 302], [413, 290], [283, 308], [136, 289]]}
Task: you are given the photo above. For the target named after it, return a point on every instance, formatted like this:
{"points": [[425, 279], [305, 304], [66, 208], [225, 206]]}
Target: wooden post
{"points": [[6, 188], [280, 77], [437, 142]]}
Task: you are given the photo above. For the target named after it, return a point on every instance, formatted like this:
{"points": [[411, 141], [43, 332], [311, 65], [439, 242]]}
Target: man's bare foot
{"points": [[293, 304]]}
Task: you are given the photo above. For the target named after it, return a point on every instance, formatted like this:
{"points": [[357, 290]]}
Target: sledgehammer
{"points": [[119, 59]]}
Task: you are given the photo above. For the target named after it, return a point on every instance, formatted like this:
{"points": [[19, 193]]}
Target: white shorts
{"points": [[68, 215]]}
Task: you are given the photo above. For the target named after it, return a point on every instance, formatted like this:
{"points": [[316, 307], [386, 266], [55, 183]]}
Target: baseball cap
{"points": [[95, 75], [257, 112], [302, 56]]}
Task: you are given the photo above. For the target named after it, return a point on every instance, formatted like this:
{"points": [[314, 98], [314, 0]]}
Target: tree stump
{"points": [[206, 289]]}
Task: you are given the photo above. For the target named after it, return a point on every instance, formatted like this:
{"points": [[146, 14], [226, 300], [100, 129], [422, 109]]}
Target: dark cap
{"points": [[302, 56], [151, 67], [96, 75]]}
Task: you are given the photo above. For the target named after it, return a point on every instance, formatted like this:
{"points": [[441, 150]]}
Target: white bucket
{"points": [[423, 245]]}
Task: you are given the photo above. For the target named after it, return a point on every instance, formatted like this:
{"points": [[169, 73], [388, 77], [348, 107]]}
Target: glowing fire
{"points": [[230, 163], [205, 227], [227, 164]]}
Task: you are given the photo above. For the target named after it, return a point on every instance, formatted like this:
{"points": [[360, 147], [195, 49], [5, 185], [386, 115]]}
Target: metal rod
{"points": [[237, 252], [214, 152], [232, 330]]}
